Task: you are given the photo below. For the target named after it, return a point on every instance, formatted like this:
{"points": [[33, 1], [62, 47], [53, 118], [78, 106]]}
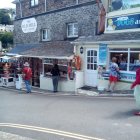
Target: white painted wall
{"points": [[79, 79], [63, 85], [103, 84]]}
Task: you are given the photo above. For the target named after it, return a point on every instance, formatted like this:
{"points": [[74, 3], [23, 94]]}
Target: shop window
{"points": [[134, 61], [121, 59], [34, 3], [48, 64], [45, 35], [72, 30], [127, 59], [123, 4]]}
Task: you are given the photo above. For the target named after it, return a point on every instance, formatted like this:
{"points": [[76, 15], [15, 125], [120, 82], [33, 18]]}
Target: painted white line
{"points": [[51, 131], [115, 98]]}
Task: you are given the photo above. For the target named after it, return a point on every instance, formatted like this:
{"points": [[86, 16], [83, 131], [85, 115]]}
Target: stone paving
{"points": [[9, 136], [86, 90]]}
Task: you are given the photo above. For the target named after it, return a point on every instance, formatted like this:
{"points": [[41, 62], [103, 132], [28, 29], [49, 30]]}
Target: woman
{"points": [[136, 84], [113, 75], [55, 76]]}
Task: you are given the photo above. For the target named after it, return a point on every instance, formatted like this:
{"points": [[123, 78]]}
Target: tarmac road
{"points": [[66, 117]]}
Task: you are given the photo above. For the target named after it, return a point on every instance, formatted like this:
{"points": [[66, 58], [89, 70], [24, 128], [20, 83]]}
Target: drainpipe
{"points": [[45, 5], [20, 8]]}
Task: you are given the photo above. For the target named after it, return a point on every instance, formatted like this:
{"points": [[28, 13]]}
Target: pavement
{"points": [[83, 91], [93, 91]]}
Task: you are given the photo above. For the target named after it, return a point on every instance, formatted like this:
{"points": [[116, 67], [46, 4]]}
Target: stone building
{"points": [[121, 39], [44, 30]]}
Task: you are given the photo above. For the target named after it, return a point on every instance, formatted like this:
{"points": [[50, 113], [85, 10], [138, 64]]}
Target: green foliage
{"points": [[6, 38], [4, 17]]}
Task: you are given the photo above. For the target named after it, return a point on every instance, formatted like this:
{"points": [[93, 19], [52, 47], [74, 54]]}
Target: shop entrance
{"points": [[91, 67], [36, 69]]}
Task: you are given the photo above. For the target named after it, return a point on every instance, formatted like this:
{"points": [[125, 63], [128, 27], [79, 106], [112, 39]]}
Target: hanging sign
{"points": [[29, 25], [102, 54], [123, 22]]}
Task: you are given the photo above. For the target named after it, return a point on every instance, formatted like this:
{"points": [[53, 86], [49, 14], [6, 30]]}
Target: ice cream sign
{"points": [[29, 25], [124, 22]]}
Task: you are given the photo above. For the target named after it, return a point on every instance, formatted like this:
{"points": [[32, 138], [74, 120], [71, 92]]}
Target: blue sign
{"points": [[102, 54], [123, 22], [128, 77]]}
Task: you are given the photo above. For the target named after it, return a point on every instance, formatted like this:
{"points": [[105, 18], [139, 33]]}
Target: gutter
{"points": [[105, 42]]}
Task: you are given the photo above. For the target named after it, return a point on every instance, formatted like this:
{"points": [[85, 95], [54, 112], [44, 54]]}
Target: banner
{"points": [[102, 54], [123, 22]]}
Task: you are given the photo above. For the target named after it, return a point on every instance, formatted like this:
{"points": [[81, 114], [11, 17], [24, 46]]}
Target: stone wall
{"points": [[85, 15], [27, 10]]}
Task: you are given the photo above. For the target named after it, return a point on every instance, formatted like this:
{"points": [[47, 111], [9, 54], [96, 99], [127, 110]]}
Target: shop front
{"points": [[66, 83], [97, 56], [68, 63]]}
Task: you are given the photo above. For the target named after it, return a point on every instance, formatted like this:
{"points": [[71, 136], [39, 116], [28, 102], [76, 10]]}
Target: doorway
{"points": [[91, 66]]}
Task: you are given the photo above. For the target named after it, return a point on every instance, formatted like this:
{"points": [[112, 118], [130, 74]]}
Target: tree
{"points": [[6, 39], [4, 17]]}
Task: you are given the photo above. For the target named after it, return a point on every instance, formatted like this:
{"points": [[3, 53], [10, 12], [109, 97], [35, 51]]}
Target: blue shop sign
{"points": [[123, 22], [102, 54], [128, 77]]}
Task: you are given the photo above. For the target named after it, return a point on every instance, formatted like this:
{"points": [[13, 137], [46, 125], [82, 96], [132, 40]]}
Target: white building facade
{"points": [[120, 39]]}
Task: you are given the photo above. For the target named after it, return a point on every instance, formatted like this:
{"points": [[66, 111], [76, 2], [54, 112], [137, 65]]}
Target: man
{"points": [[136, 84], [27, 75], [55, 76]]}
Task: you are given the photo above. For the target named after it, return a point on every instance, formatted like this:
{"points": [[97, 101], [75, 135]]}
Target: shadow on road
{"points": [[124, 115]]}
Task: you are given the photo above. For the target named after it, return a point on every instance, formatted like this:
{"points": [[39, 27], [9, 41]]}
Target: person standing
{"points": [[136, 85], [55, 76], [113, 74], [27, 75]]}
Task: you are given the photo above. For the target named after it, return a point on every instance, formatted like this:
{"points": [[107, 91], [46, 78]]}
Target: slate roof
{"points": [[51, 49], [19, 48], [128, 36]]}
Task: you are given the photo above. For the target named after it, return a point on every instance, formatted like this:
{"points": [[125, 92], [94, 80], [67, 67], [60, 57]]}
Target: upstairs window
{"points": [[123, 4], [45, 35], [72, 30], [34, 3]]}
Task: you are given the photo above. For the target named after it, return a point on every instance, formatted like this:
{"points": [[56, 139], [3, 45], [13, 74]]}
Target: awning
{"points": [[56, 50], [5, 57], [110, 38], [20, 48]]}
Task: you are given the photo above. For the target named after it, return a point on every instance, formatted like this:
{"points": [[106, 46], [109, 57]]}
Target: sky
{"points": [[7, 4]]}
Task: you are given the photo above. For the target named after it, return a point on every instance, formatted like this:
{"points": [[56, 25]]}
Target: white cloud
{"points": [[7, 4]]}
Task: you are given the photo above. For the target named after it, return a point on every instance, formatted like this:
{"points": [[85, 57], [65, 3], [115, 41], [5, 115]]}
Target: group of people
{"points": [[27, 76], [114, 77]]}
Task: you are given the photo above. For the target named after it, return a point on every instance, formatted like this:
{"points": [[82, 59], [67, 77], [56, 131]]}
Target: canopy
{"points": [[5, 57]]}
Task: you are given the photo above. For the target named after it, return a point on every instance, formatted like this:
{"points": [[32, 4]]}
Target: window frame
{"points": [[73, 30], [33, 3], [48, 35], [129, 52]]}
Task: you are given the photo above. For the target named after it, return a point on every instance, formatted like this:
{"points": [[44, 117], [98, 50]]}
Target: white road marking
{"points": [[52, 131]]}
